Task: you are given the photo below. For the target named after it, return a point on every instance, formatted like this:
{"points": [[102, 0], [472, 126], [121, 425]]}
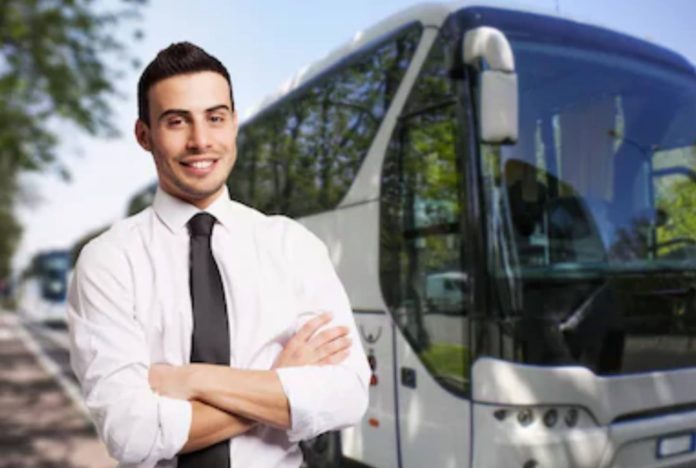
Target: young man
{"points": [[204, 333]]}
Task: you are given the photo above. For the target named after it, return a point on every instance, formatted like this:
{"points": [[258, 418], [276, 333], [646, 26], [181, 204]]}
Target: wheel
{"points": [[324, 451]]}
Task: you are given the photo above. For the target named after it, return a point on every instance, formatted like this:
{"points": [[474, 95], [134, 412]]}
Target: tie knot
{"points": [[201, 224]]}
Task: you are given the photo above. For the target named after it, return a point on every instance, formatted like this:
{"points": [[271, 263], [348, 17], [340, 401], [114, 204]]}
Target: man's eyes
{"points": [[175, 122]]}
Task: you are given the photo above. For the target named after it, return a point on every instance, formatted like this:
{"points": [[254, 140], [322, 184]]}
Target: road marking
{"points": [[53, 369]]}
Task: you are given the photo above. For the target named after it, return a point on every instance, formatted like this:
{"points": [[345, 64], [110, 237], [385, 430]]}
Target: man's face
{"points": [[191, 135]]}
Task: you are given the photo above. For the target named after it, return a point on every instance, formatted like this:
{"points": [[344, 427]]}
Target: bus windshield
{"points": [[591, 215]]}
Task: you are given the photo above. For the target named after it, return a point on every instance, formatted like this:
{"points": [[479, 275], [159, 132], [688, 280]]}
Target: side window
{"points": [[302, 156], [673, 175], [423, 274]]}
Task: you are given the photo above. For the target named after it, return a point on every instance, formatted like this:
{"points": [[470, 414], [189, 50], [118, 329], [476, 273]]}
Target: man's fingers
{"points": [[312, 326], [335, 358], [333, 347], [329, 335]]}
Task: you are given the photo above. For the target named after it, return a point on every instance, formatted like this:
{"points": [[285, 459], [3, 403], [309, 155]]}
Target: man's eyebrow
{"points": [[218, 107], [179, 112]]}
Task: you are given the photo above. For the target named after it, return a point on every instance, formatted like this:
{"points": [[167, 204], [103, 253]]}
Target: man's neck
{"points": [[200, 203]]}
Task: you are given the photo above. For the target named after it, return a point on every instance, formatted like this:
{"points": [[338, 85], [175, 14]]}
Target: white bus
{"points": [[509, 199], [42, 293]]}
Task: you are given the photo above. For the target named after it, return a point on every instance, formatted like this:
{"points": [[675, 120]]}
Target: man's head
{"points": [[186, 119]]}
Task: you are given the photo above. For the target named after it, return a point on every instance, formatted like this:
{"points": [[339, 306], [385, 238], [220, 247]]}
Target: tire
{"points": [[324, 451]]}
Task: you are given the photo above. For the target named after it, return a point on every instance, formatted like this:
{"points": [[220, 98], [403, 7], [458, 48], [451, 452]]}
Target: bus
{"points": [[509, 198], [43, 291]]}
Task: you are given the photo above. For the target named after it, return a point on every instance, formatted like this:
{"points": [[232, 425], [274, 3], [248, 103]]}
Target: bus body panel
{"points": [[352, 238], [434, 424], [375, 439], [621, 420]]}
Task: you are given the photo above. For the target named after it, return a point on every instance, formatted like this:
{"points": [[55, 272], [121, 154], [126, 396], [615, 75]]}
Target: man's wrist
{"points": [[195, 380]]}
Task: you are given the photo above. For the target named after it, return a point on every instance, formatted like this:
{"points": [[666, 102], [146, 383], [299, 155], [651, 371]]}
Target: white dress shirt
{"points": [[129, 306]]}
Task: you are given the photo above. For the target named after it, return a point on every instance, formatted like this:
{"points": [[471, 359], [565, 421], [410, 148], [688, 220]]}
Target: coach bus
{"points": [[43, 291], [509, 198]]}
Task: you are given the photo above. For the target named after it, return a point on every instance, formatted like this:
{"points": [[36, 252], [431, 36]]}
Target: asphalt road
{"points": [[41, 424]]}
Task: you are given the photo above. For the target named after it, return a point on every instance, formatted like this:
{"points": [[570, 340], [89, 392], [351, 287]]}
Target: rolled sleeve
{"points": [[322, 399], [331, 397], [110, 357], [174, 422]]}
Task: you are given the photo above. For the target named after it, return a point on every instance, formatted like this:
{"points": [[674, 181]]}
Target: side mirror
{"points": [[498, 100]]}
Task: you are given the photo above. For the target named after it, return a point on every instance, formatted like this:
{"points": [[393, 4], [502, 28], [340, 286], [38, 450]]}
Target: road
{"points": [[42, 422]]}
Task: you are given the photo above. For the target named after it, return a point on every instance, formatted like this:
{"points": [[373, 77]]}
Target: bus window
{"points": [[589, 215], [673, 176], [423, 274], [301, 156]]}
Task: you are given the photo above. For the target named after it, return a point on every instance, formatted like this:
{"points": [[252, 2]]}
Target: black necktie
{"points": [[210, 342]]}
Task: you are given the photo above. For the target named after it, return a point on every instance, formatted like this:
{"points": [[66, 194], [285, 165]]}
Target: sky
{"points": [[262, 43]]}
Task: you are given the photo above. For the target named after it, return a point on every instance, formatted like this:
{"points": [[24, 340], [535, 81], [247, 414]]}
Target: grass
{"points": [[449, 361]]}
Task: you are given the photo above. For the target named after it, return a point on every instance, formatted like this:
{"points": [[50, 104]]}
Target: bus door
{"points": [[424, 273]]}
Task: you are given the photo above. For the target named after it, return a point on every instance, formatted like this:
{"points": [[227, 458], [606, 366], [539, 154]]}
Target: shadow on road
{"points": [[39, 425]]}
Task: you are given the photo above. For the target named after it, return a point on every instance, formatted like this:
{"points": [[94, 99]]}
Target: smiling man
{"points": [[204, 333]]}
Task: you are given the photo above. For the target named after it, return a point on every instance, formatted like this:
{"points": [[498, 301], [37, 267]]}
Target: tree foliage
{"points": [[54, 69], [53, 66]]}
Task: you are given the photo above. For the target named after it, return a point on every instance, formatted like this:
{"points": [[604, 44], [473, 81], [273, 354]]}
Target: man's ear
{"points": [[142, 135]]}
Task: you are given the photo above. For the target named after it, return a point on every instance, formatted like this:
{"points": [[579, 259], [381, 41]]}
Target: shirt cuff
{"points": [[175, 422], [301, 403]]}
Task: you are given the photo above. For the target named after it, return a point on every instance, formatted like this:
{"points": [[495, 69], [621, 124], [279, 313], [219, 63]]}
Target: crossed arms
{"points": [[227, 402]]}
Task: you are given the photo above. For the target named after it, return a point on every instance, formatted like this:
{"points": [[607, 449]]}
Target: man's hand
{"points": [[171, 381], [309, 348]]}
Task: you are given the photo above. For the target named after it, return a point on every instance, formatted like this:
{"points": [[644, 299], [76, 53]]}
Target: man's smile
{"points": [[199, 167]]}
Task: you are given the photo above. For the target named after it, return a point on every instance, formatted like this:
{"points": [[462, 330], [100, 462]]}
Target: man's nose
{"points": [[199, 140]]}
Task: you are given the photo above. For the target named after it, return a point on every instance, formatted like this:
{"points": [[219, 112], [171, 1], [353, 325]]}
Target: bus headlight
{"points": [[550, 418], [525, 416], [569, 417]]}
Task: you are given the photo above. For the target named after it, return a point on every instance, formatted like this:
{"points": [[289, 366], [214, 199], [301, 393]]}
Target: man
{"points": [[196, 278]]}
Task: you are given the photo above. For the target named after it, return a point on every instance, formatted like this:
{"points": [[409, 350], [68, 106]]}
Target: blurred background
{"points": [[69, 165]]}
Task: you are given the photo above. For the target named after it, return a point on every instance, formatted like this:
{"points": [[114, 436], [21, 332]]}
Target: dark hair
{"points": [[177, 59]]}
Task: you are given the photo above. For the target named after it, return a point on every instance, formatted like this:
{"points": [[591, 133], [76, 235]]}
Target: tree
{"points": [[53, 71]]}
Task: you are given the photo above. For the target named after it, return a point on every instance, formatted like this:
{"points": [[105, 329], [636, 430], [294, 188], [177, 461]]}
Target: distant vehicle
{"points": [[43, 293], [446, 292], [549, 167]]}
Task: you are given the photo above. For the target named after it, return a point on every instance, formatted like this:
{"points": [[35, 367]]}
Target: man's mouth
{"points": [[199, 166]]}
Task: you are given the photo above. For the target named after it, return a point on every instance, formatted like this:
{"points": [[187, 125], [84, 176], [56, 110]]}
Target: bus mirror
{"points": [[498, 108]]}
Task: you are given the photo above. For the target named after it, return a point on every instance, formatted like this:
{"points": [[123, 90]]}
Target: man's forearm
{"points": [[210, 425], [253, 394]]}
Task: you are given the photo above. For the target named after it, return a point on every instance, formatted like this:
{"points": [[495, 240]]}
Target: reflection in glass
{"points": [[301, 156], [422, 272], [592, 214]]}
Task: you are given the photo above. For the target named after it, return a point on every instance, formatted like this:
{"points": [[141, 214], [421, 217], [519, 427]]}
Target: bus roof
{"points": [[429, 15]]}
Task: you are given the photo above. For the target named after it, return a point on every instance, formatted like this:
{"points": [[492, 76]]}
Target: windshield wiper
{"points": [[580, 314]]}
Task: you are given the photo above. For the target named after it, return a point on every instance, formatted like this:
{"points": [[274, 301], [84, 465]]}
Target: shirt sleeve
{"points": [[110, 357], [323, 398]]}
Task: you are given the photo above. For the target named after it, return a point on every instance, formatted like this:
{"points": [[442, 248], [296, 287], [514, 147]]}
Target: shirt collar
{"points": [[175, 213]]}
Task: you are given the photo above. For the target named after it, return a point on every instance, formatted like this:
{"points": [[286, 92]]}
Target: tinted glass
{"points": [[423, 277], [591, 215], [302, 156]]}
